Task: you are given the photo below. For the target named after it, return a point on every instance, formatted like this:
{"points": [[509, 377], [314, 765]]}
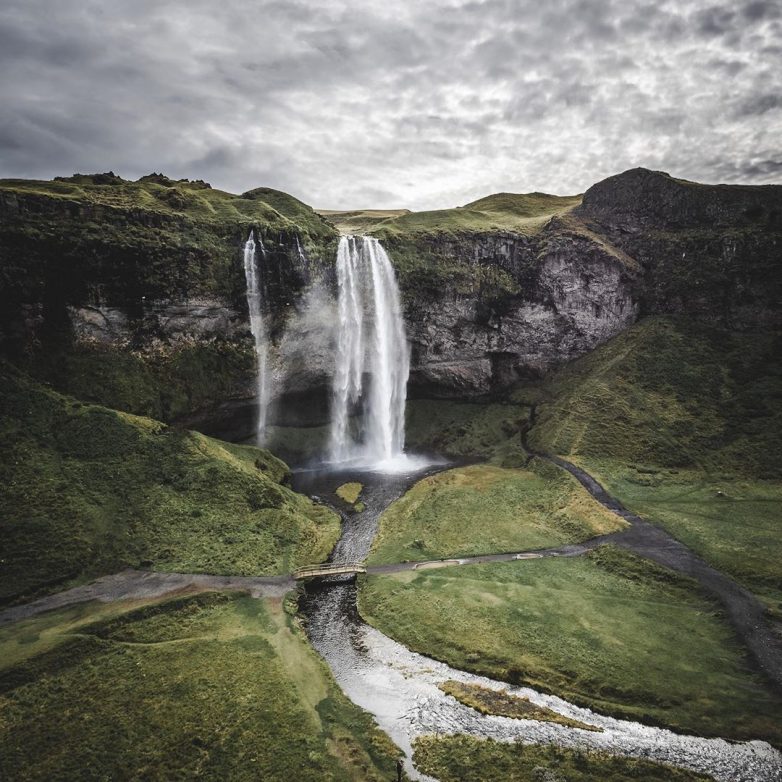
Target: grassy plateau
{"points": [[485, 509], [208, 686]]}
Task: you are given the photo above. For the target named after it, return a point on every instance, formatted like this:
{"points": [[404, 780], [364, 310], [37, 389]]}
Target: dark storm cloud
{"points": [[373, 103]]}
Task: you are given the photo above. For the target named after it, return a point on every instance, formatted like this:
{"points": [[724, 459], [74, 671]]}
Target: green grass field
{"points": [[360, 221], [731, 520], [210, 686], [85, 490], [485, 509], [467, 759], [606, 630]]}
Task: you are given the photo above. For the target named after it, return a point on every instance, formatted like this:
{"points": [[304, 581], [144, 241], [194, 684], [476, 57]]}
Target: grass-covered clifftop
{"points": [[99, 237], [85, 490]]}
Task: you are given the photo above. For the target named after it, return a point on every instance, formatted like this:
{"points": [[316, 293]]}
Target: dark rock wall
{"points": [[483, 309]]}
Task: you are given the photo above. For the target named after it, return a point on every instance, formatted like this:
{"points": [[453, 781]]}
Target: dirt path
{"points": [[745, 612], [139, 584]]}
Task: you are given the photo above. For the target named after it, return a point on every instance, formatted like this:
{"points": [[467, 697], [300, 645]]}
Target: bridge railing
{"points": [[329, 569]]}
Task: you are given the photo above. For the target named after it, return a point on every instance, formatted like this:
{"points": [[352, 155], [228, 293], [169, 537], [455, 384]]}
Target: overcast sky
{"points": [[418, 104]]}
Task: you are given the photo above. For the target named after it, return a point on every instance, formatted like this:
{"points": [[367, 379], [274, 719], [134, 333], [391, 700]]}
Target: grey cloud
{"points": [[350, 104]]}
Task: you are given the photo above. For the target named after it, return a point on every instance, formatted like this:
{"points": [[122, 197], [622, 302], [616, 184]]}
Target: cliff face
{"points": [[564, 295], [712, 251], [132, 294]]}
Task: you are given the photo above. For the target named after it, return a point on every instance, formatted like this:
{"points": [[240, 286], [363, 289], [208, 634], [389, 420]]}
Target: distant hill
{"points": [[360, 221], [520, 212]]}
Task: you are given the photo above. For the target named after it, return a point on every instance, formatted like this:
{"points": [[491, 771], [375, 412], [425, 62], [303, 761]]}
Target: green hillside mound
{"points": [[360, 221], [682, 422], [674, 393], [99, 237], [85, 491], [210, 687], [520, 212]]}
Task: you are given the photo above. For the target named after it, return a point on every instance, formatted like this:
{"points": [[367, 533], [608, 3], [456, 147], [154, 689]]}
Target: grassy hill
{"points": [[520, 212], [683, 423], [211, 686], [671, 392], [100, 236], [360, 221], [523, 213], [85, 490]]}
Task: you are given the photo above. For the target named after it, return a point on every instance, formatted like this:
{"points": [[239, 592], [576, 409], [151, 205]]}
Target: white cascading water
{"points": [[258, 329], [373, 360]]}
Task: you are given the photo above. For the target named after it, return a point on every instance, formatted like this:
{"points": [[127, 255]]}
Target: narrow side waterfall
{"points": [[373, 360], [258, 329]]}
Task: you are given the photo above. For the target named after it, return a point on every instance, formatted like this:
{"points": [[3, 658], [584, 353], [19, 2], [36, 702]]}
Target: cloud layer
{"points": [[392, 104]]}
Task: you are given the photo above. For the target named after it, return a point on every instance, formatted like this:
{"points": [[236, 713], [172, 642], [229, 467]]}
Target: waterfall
{"points": [[258, 329], [372, 361]]}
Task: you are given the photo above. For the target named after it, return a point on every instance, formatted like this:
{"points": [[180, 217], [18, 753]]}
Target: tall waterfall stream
{"points": [[372, 360], [252, 278]]}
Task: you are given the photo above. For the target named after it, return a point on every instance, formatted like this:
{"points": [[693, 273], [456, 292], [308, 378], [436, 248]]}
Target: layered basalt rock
{"points": [[483, 308]]}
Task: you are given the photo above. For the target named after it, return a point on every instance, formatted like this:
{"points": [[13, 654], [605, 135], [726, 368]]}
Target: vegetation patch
{"points": [[608, 630], [483, 509], [671, 393], [349, 492], [215, 687], [522, 213], [503, 704], [168, 383], [85, 491], [682, 422], [731, 520], [467, 759], [488, 431]]}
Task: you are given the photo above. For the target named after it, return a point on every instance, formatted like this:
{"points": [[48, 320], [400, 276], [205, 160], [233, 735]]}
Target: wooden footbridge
{"points": [[329, 569]]}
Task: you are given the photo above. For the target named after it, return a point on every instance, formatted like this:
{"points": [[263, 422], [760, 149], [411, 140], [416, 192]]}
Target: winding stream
{"points": [[399, 687]]}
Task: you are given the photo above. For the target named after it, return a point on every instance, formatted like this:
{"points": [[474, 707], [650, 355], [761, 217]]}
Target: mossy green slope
{"points": [[674, 393], [118, 240], [683, 423], [484, 509], [212, 687], [85, 490], [166, 384], [359, 221], [607, 630]]}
